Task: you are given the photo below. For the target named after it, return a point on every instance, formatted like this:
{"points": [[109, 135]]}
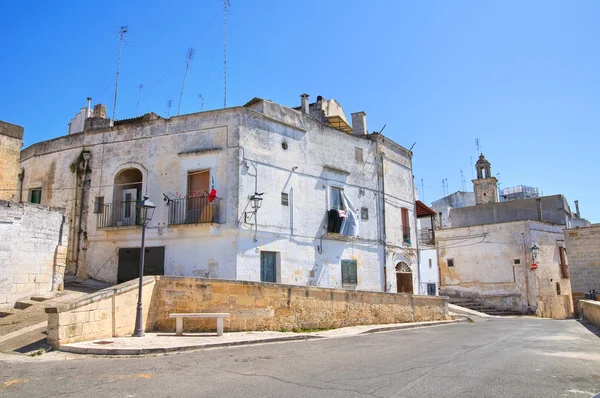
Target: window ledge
{"points": [[121, 228]]}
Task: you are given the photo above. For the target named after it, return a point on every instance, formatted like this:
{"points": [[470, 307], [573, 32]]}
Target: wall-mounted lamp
{"points": [[255, 203]]}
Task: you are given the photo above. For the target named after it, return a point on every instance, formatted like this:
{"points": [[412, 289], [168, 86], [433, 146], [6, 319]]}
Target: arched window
{"points": [[127, 191], [402, 267]]}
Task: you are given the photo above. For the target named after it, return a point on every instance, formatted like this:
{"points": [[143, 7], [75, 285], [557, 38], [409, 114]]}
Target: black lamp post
{"points": [[146, 212]]}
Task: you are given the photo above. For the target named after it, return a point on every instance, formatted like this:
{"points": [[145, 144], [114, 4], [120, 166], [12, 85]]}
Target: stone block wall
{"points": [[590, 311], [107, 313], [10, 154], [31, 250], [583, 253], [253, 306], [264, 306]]}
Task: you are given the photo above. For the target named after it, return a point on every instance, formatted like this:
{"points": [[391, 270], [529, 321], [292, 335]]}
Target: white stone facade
{"points": [[32, 258], [261, 147]]}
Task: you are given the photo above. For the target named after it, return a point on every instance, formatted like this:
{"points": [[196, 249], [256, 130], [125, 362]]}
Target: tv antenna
{"points": [[122, 32], [190, 56], [423, 190], [226, 4], [201, 102], [169, 103], [137, 110], [462, 179], [478, 145]]}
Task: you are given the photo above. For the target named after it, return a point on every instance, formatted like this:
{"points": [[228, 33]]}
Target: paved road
{"points": [[497, 358]]}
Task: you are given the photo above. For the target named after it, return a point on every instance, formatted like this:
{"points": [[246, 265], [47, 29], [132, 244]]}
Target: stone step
{"points": [[43, 297], [4, 313], [23, 304]]}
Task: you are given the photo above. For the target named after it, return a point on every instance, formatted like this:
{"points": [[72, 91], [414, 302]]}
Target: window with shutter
{"points": [[349, 272]]}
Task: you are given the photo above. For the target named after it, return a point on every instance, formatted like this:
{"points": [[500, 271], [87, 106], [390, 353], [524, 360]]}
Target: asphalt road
{"points": [[497, 358]]}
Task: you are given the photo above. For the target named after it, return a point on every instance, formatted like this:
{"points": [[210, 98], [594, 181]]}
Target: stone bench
{"points": [[218, 315]]}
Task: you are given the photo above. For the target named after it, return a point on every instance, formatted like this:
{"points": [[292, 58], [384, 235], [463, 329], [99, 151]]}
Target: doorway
{"points": [[128, 202], [404, 279], [129, 262]]}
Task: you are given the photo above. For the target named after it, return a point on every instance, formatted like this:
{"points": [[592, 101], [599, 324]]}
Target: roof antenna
{"points": [[226, 4], [137, 110], [190, 56], [122, 32]]}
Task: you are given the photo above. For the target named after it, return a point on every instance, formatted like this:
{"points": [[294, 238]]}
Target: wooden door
{"points": [[404, 282]]}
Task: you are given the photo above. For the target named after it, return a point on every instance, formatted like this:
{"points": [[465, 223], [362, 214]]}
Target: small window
{"points": [[268, 267], [349, 275], [517, 261], [405, 225], [431, 288], [284, 199], [99, 204], [558, 290], [450, 262], [284, 145], [336, 199], [36, 195], [430, 263], [358, 154], [364, 213]]}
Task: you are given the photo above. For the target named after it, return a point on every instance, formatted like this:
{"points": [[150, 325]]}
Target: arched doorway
{"points": [[404, 279], [127, 191]]}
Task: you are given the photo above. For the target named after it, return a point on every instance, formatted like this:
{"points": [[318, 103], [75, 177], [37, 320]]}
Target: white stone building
{"points": [[301, 161]]}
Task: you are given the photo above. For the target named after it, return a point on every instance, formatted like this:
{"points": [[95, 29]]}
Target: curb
{"points": [[163, 350], [414, 326]]}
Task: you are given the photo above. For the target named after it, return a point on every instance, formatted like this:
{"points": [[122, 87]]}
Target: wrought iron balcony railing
{"points": [[426, 238], [118, 214], [195, 210]]}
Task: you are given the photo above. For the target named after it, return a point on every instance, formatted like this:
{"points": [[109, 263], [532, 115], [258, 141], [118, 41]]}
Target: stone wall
{"points": [[106, 313], [253, 306], [10, 151], [590, 311], [32, 255], [583, 252]]}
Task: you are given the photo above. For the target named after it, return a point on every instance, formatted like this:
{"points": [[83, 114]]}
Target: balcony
{"points": [[406, 234], [196, 210], [426, 238], [118, 214]]}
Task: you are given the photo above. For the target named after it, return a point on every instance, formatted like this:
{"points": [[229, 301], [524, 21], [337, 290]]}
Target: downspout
{"points": [[415, 221], [21, 178], [86, 158], [383, 228], [526, 274]]}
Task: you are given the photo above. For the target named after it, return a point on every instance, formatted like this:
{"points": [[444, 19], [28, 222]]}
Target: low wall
{"points": [[266, 306], [106, 313], [590, 311], [32, 250], [253, 306]]}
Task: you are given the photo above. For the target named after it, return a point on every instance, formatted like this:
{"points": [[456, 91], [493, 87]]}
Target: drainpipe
{"points": [[21, 178], [526, 274], [86, 157], [383, 234], [415, 221]]}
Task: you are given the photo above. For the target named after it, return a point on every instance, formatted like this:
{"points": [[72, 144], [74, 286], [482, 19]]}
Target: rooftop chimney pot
{"points": [[359, 123], [304, 103]]}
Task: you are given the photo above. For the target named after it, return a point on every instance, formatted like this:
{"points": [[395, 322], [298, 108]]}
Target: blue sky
{"points": [[522, 77]]}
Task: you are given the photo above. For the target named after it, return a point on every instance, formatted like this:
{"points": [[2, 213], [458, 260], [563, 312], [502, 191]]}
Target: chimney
{"points": [[577, 209], [88, 111], [539, 209], [100, 111], [304, 103], [359, 123]]}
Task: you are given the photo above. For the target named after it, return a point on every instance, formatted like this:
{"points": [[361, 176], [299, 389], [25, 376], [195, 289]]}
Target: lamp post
{"points": [[146, 212]]}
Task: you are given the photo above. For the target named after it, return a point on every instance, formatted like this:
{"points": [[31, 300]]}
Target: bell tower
{"points": [[485, 186]]}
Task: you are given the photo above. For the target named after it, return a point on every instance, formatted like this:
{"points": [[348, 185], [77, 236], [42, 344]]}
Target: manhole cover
{"points": [[103, 342]]}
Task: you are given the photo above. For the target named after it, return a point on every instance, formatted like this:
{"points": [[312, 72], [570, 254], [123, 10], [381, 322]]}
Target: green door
{"points": [[268, 267]]}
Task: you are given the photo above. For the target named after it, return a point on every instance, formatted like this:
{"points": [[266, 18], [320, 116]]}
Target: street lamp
{"points": [[256, 201], [146, 212]]}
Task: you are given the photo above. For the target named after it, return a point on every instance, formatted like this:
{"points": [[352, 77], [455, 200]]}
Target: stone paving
{"points": [[162, 342]]}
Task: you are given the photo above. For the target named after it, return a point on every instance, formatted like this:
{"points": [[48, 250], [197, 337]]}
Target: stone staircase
{"points": [[475, 305]]}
